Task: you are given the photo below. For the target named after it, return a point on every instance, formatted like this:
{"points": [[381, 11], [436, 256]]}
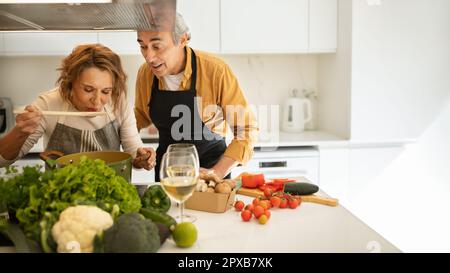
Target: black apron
{"points": [[210, 146]]}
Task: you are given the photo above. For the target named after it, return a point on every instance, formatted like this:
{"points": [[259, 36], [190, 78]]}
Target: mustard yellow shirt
{"points": [[218, 89]]}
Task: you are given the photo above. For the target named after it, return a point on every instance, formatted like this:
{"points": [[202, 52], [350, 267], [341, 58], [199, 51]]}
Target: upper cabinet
{"points": [[322, 25], [217, 26], [202, 17], [278, 26], [45, 43], [264, 26]]}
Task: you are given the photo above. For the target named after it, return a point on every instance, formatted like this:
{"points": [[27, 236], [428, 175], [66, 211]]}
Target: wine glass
{"points": [[188, 147], [179, 176]]}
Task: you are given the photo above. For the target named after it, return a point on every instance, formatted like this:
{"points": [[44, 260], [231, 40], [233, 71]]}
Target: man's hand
{"points": [[28, 122], [145, 158], [224, 166]]}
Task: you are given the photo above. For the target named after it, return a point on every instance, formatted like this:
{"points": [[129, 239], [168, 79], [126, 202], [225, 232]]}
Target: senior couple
{"points": [[92, 80]]}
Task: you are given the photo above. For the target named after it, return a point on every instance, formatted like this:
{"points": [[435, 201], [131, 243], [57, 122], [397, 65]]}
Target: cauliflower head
{"points": [[77, 227]]}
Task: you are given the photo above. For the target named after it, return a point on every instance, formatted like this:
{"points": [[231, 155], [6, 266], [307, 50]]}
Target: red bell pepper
{"points": [[253, 180], [277, 184]]}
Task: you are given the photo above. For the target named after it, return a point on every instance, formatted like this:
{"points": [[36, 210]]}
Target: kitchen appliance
{"points": [[296, 113], [119, 161], [60, 15], [7, 120]]}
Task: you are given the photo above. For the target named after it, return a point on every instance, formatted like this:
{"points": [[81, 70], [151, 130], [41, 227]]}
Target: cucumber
{"points": [[159, 217], [300, 188], [18, 238]]}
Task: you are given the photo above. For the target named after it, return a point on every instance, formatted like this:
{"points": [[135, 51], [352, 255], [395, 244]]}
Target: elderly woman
{"points": [[91, 80]]}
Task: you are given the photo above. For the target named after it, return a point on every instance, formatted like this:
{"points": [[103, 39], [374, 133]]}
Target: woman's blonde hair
{"points": [[87, 56]]}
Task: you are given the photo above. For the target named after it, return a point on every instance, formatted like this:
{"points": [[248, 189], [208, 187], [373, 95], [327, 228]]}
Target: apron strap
{"points": [[194, 71]]}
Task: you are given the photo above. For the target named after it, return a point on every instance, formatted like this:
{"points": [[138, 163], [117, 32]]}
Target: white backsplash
{"points": [[265, 79]]}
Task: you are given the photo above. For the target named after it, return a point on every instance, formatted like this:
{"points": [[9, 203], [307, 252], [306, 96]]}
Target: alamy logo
{"points": [[241, 121]]}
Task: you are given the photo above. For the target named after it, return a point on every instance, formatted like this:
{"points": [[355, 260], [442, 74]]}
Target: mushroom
{"points": [[230, 182], [212, 184], [210, 176], [201, 186], [223, 188]]}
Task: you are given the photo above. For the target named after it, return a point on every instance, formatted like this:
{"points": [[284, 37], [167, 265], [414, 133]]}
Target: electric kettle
{"points": [[296, 112]]}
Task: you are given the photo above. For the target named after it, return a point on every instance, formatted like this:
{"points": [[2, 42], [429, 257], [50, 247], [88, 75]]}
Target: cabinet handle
{"points": [[273, 164]]}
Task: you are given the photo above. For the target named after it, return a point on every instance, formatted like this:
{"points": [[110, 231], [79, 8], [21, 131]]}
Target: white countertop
{"points": [[306, 138], [309, 228], [283, 139]]}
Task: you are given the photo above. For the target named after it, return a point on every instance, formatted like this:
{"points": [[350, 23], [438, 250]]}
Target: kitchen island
{"points": [[308, 228]]}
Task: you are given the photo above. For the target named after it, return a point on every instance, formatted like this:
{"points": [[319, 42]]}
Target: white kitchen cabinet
{"points": [[45, 43], [367, 164], [264, 26], [322, 25], [203, 19], [334, 170], [121, 42], [348, 171]]}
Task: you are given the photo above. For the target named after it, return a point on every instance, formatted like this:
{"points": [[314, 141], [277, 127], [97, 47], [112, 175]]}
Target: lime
{"points": [[185, 234]]}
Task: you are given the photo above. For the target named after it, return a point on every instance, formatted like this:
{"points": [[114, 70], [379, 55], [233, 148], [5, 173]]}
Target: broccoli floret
{"points": [[131, 233]]}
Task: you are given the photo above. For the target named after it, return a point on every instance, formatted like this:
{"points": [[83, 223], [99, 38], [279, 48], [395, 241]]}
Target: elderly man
{"points": [[192, 97]]}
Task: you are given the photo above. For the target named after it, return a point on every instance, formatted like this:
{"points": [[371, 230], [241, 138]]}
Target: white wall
{"points": [[23, 78], [334, 74], [400, 67]]}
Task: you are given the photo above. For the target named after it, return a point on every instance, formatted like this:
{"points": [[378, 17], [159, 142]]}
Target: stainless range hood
{"points": [[54, 15]]}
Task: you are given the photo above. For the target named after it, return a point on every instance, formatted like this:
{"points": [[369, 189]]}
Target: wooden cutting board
{"points": [[305, 198]]}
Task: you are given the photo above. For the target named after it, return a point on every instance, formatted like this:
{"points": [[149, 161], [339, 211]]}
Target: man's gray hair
{"points": [[180, 28]]}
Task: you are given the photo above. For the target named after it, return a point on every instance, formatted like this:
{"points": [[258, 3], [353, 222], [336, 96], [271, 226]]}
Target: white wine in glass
{"points": [[179, 176], [179, 184], [186, 147]]}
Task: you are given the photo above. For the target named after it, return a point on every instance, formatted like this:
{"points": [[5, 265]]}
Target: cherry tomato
{"points": [[268, 192], [239, 205], [283, 203], [275, 201], [264, 204], [258, 211], [246, 215], [249, 207], [293, 203], [267, 213], [263, 219]]}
